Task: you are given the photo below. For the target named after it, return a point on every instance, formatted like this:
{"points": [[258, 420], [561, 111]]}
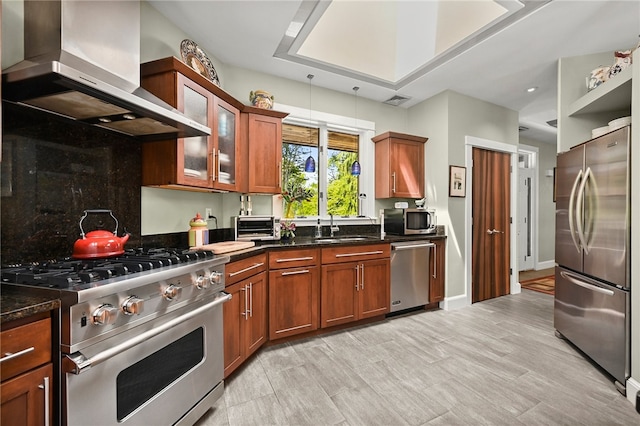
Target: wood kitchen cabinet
{"points": [[245, 315], [205, 163], [436, 271], [294, 281], [261, 138], [26, 391], [399, 165], [355, 283]]}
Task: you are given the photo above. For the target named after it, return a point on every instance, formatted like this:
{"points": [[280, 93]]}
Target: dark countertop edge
{"points": [[309, 242], [15, 303]]}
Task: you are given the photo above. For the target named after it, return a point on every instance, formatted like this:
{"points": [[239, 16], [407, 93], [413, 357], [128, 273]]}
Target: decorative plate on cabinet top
{"points": [[193, 56]]}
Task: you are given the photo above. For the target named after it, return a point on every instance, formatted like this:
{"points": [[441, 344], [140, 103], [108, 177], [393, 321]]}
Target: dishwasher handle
{"points": [[411, 247]]}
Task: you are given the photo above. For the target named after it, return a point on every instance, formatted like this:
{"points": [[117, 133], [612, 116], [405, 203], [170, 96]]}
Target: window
{"points": [[327, 187]]}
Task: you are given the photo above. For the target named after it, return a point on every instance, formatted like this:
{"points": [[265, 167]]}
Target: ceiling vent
{"points": [[522, 129], [553, 123], [397, 100]]}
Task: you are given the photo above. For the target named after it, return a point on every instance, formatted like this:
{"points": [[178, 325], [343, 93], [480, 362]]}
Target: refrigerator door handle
{"points": [[580, 281], [571, 210], [579, 207]]}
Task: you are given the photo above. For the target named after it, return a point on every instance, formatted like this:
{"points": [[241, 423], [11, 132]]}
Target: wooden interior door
{"points": [[491, 224]]}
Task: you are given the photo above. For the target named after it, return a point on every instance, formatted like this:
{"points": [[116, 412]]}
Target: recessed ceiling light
{"points": [[532, 89]]}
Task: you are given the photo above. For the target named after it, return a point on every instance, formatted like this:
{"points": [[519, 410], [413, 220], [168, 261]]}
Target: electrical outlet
{"points": [[207, 213]]}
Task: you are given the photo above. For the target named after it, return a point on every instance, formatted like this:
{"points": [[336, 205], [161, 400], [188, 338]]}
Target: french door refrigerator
{"points": [[591, 307]]}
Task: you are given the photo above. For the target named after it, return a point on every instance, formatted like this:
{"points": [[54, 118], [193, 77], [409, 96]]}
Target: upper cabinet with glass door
{"points": [[205, 163]]}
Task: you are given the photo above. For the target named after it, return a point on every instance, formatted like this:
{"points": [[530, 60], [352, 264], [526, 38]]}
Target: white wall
{"points": [[447, 119]]}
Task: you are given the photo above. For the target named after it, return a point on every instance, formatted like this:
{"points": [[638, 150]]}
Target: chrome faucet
{"points": [[333, 228]]}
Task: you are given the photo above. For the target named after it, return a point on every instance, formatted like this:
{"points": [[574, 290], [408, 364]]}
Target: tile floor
{"points": [[493, 363]]}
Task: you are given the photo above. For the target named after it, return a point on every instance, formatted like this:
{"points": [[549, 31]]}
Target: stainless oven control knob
{"points": [[132, 305], [201, 282], [172, 292], [216, 277], [104, 314]]}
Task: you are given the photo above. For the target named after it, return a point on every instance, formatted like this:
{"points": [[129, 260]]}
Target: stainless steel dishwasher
{"points": [[410, 274]]}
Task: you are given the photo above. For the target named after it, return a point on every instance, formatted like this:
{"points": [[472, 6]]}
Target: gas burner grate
{"points": [[67, 273]]}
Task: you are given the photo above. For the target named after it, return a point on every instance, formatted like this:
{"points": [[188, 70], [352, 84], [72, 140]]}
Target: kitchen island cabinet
{"points": [[245, 315], [203, 163], [399, 165], [293, 292], [355, 283]]}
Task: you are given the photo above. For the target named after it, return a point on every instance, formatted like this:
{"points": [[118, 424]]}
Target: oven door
{"points": [[155, 373]]}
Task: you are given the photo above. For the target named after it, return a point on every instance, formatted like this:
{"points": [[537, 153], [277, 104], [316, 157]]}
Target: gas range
{"points": [[103, 297]]}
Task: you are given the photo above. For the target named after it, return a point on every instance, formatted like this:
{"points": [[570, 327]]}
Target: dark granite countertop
{"points": [[15, 303], [310, 242]]}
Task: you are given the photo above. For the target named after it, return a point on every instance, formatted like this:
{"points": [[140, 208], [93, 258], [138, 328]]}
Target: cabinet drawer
{"points": [[34, 339], [241, 269], [293, 258], [355, 253]]}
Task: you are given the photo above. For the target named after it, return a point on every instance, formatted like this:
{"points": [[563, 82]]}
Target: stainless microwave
{"points": [[249, 228], [409, 221]]}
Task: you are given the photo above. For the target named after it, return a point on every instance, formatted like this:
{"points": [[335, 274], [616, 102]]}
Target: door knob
{"points": [[489, 231]]}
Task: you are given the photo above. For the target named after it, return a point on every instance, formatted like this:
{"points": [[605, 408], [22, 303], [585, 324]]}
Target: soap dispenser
{"points": [[318, 229]]}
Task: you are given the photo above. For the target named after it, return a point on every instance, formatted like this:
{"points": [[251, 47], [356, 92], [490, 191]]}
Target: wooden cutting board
{"points": [[225, 246]]}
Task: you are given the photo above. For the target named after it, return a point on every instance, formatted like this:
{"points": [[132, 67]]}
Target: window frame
{"points": [[366, 156]]}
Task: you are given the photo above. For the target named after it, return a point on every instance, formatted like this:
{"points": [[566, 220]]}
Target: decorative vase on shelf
{"points": [[261, 99]]}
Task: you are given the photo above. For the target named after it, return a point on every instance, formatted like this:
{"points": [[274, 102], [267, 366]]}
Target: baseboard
{"points": [[456, 302], [633, 387], [516, 288], [546, 264]]}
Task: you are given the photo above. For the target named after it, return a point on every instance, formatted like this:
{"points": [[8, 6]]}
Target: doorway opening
{"points": [[526, 216]]}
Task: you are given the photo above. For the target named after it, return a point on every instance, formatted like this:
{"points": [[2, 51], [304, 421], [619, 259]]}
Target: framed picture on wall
{"points": [[457, 181]]}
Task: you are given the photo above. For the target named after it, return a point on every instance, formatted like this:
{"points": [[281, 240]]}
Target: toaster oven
{"points": [[256, 227]]}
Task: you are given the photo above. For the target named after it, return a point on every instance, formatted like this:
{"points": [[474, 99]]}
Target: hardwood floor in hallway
{"points": [[531, 274], [496, 362]]}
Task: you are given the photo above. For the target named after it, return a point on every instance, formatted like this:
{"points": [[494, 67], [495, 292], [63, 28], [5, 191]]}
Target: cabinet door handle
{"points": [[45, 386], [251, 299], [362, 276], [218, 162], [357, 277], [302, 271], [393, 185], [7, 356], [294, 259], [362, 253], [244, 314], [255, 265], [435, 262], [213, 166]]}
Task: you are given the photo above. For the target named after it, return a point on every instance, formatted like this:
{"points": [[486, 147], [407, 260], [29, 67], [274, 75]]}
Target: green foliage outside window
{"points": [[341, 188]]}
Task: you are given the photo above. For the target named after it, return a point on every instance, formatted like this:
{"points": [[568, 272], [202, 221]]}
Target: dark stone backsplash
{"points": [[53, 170]]}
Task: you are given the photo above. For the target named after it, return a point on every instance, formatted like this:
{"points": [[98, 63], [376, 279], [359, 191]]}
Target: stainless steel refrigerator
{"points": [[592, 302]]}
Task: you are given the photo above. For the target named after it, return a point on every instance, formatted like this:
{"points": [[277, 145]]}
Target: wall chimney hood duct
{"points": [[82, 61]]}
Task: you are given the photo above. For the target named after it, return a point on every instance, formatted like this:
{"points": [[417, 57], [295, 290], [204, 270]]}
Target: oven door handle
{"points": [[77, 363]]}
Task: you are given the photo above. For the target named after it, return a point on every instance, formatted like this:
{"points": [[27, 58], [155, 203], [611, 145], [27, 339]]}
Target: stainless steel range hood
{"points": [[82, 61]]}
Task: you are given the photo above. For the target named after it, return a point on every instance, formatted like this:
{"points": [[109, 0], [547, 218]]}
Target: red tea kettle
{"points": [[98, 244]]}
